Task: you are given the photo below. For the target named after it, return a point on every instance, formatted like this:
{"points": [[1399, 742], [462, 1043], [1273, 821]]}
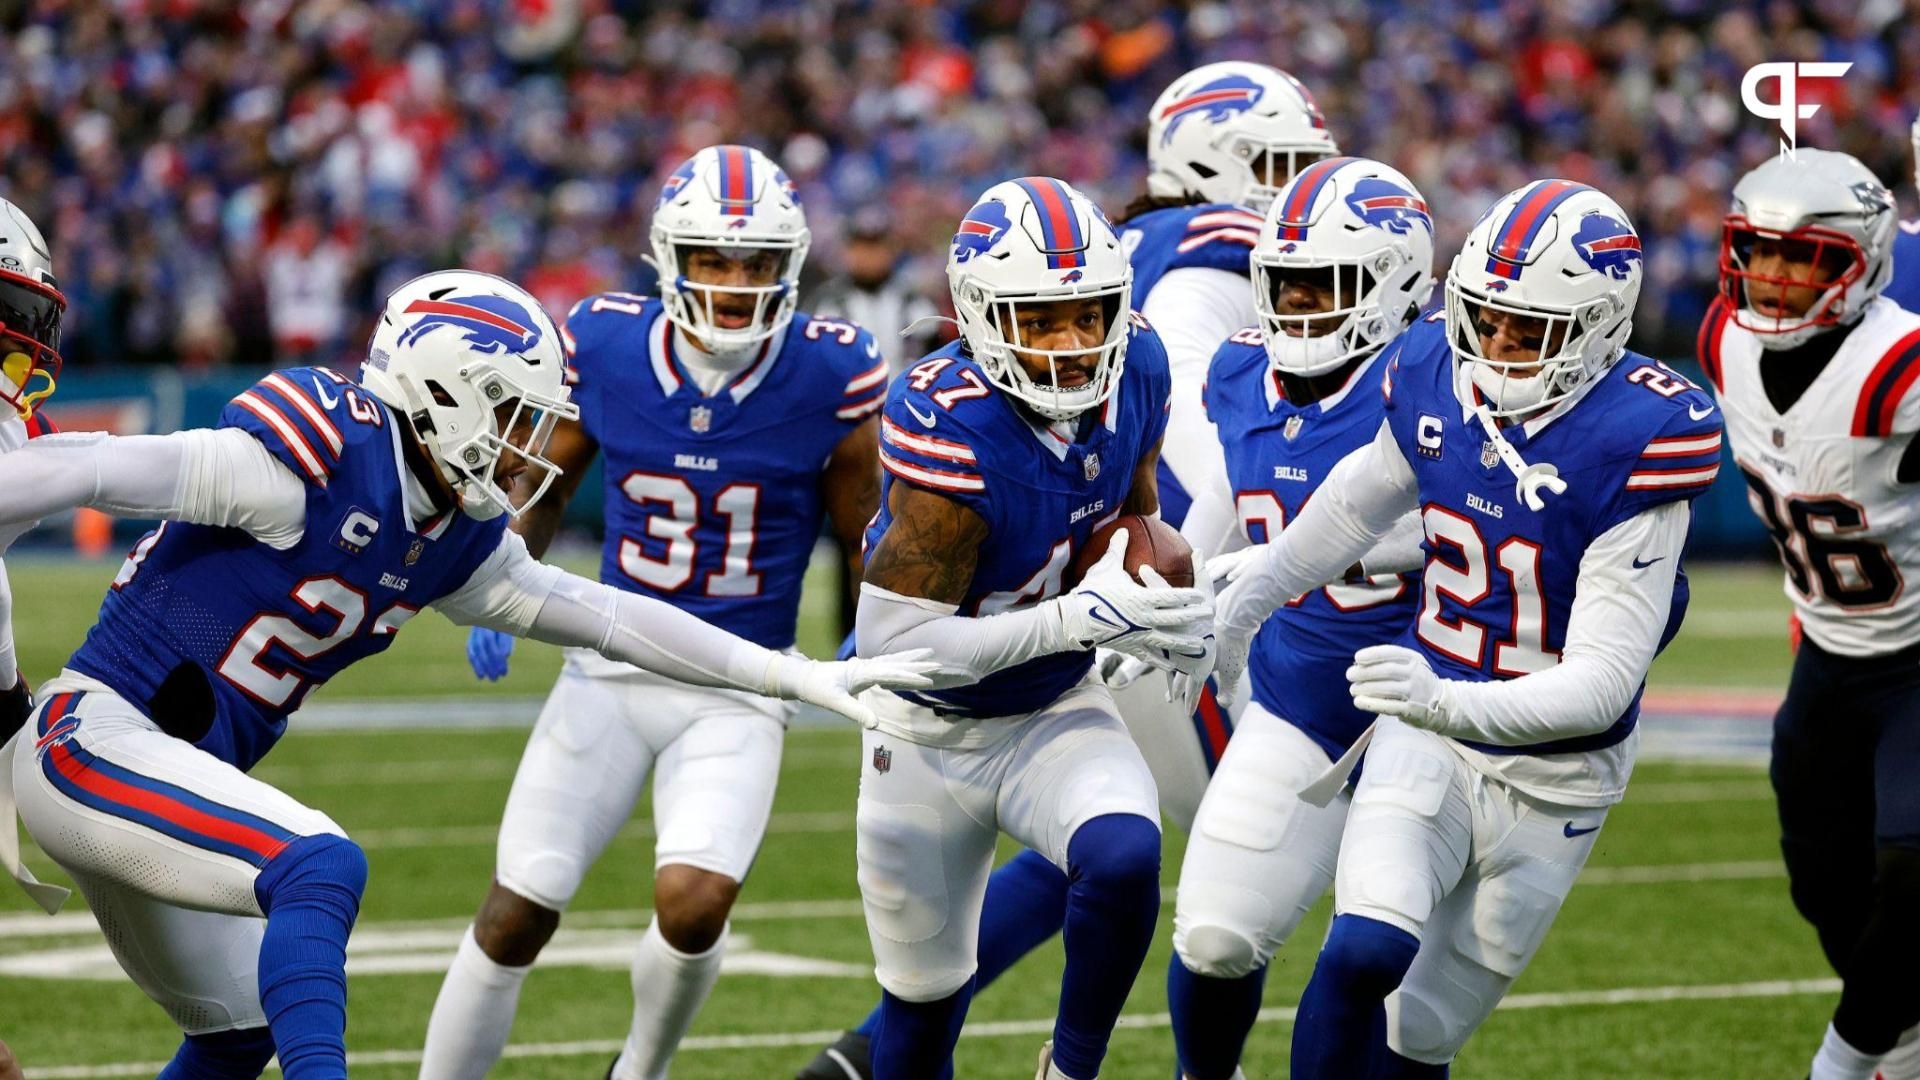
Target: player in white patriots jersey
{"points": [[31, 307], [1816, 370], [1553, 472], [731, 426], [297, 538]]}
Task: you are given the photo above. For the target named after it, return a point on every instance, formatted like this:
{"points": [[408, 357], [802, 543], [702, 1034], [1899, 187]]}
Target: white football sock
{"points": [[1903, 1061], [1836, 1060], [472, 1015], [669, 987]]}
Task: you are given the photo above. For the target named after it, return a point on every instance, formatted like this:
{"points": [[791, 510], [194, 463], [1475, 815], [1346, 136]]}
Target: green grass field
{"points": [[1678, 956]]}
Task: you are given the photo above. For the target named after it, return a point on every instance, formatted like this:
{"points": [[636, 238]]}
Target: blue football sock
{"points": [[1211, 1018], [1026, 904], [1113, 901], [1340, 1030], [223, 1055], [311, 894], [915, 1040]]}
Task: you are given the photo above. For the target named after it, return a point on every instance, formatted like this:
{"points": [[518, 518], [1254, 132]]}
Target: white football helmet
{"points": [[736, 200], [1233, 132], [31, 307], [1035, 240], [1557, 251], [451, 349], [1369, 225], [1827, 200]]}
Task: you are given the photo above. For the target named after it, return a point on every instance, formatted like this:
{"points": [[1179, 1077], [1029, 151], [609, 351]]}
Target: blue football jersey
{"points": [[1278, 453], [1499, 579], [1215, 236], [266, 625], [1904, 288], [713, 502], [948, 430]]}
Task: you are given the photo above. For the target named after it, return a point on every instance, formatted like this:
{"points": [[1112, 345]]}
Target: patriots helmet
{"points": [[1837, 213], [1036, 240], [31, 306], [475, 366], [1365, 227], [1233, 132], [1563, 263], [737, 202]]}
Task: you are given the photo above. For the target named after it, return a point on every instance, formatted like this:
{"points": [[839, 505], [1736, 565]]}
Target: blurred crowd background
{"points": [[240, 182]]}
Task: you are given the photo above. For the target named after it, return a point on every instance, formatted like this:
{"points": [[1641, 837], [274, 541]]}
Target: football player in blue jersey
{"points": [[31, 308], [1553, 472], [731, 425], [1904, 288], [300, 536], [1221, 140], [1344, 264], [1004, 452]]}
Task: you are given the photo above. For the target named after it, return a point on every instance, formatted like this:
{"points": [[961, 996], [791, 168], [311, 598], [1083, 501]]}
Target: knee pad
{"points": [[1116, 851], [1366, 954], [314, 868], [1417, 1029], [1217, 952], [241, 1054]]}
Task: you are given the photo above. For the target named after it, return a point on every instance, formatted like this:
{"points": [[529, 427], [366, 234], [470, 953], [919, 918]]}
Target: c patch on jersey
{"points": [[356, 531], [1216, 101], [982, 228], [491, 324], [1607, 245], [1386, 205]]}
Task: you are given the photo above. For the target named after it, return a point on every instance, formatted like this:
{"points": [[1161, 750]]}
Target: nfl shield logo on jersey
{"points": [[1294, 424], [700, 419], [1489, 457], [413, 552], [1779, 439], [1093, 467], [882, 759]]}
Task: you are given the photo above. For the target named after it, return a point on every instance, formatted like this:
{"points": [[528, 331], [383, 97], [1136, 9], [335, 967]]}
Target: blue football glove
{"points": [[487, 651]]}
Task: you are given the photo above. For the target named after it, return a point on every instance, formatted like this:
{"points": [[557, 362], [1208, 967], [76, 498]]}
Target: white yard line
{"points": [[1017, 1028]]}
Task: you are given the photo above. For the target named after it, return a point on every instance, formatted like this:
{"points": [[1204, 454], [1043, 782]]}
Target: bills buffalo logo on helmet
{"points": [[1217, 100], [680, 178], [1386, 205], [1607, 245], [982, 228], [490, 324]]}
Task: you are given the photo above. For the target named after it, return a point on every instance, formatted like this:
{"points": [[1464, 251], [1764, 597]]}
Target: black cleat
{"points": [[849, 1058]]}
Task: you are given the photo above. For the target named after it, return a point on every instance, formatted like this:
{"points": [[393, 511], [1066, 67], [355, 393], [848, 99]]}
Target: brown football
{"points": [[1150, 542]]}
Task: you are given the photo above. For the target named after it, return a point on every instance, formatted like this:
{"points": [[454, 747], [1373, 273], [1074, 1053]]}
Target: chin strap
{"points": [[1529, 480]]}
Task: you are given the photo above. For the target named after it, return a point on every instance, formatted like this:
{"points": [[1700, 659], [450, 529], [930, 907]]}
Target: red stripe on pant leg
{"points": [[164, 806], [1211, 720]]}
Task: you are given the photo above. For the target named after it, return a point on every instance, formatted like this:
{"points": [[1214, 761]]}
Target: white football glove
{"points": [[1225, 569], [1396, 681], [837, 684], [1156, 622], [1118, 670]]}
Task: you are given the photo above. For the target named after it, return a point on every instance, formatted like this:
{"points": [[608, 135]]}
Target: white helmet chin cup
{"points": [[451, 350], [1036, 240], [1365, 227], [738, 202], [1555, 251], [1233, 132], [1821, 198]]}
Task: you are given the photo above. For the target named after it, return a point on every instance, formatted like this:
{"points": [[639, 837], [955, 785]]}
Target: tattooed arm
{"points": [[917, 576]]}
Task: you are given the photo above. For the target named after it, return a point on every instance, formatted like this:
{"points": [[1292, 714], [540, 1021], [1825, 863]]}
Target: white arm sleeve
{"points": [[1398, 552], [1613, 630], [9, 659], [221, 477], [1194, 309], [967, 649], [1357, 504], [517, 594]]}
